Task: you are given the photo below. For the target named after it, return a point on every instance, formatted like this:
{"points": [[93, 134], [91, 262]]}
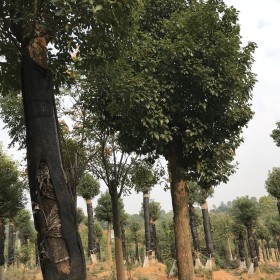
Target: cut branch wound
{"points": [[56, 250]]}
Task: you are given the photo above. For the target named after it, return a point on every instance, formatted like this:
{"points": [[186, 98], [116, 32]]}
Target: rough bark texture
{"points": [[2, 242], [241, 247], [117, 235], [207, 229], [181, 214], [60, 248], [147, 223], [91, 239], [252, 248], [194, 229], [11, 244]]}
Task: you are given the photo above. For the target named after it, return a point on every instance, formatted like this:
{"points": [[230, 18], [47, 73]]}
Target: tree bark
{"points": [[181, 213], [109, 244], [146, 197], [11, 243], [60, 247], [252, 248], [91, 239], [207, 230], [117, 235], [153, 237]]}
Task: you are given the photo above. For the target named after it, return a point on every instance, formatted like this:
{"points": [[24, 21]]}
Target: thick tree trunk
{"points": [[60, 247], [109, 243], [2, 242], [181, 213], [257, 246], [146, 198], [207, 232], [11, 244], [252, 248], [241, 247], [117, 235], [91, 239], [124, 245]]}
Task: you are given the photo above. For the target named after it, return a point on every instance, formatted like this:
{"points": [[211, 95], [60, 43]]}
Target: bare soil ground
{"points": [[103, 271]]}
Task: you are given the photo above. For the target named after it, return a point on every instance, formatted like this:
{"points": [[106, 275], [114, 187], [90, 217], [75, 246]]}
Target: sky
{"points": [[260, 23]]}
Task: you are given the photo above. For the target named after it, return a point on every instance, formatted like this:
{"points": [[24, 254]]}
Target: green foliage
{"points": [[245, 210], [88, 187], [272, 183], [276, 134], [11, 188], [81, 217], [143, 177]]}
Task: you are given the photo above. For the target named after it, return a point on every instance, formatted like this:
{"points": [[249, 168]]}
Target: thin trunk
{"points": [[146, 197], [136, 249], [11, 243], [229, 249], [54, 210], [109, 244], [117, 235], [91, 239], [252, 248], [194, 229], [2, 242], [124, 244], [153, 238], [278, 205], [207, 230], [257, 246], [181, 213]]}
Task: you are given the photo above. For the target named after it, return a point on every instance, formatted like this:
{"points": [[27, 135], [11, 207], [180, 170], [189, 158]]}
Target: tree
{"points": [[183, 91], [154, 209], [11, 196], [135, 228], [272, 185], [275, 134], [26, 29], [89, 188], [245, 210], [143, 179]]}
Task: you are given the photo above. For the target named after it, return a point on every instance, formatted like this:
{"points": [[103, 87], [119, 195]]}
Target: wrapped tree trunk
{"points": [[109, 244], [11, 244], [252, 248], [208, 235], [60, 247], [91, 239], [241, 248], [146, 198], [2, 246], [181, 213], [195, 239], [117, 234]]}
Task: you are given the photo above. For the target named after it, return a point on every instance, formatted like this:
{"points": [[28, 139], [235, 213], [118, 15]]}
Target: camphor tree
{"points": [[11, 197], [26, 29], [245, 211], [184, 88], [143, 179], [272, 185], [88, 188]]}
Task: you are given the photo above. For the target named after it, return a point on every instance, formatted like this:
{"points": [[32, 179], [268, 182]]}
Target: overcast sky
{"points": [[260, 23]]}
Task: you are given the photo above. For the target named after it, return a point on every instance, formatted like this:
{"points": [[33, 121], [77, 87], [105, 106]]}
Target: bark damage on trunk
{"points": [[181, 213], [59, 244]]}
